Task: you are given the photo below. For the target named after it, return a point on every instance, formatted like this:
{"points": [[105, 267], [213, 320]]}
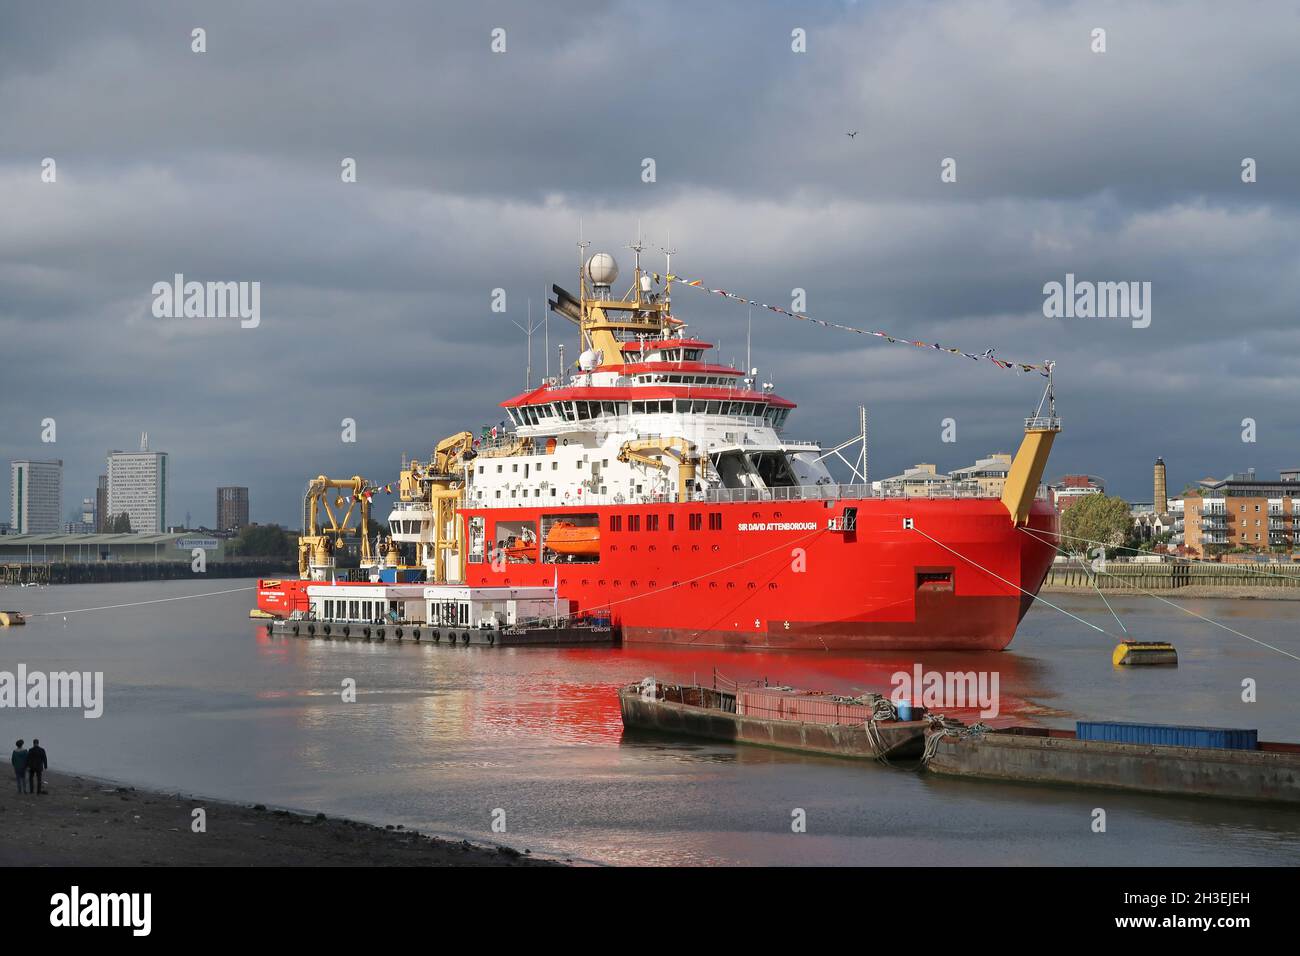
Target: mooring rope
{"points": [[111, 607], [1092, 579], [941, 727], [1185, 610], [878, 748], [1013, 584]]}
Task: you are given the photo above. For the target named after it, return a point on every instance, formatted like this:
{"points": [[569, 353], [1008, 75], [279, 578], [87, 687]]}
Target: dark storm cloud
{"points": [[475, 168]]}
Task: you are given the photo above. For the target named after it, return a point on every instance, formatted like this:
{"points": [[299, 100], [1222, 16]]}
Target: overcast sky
{"points": [[474, 169]]}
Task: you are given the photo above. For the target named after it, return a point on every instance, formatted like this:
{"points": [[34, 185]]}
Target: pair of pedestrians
{"points": [[29, 765]]}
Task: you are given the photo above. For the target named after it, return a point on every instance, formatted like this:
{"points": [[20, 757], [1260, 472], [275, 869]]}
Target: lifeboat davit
{"points": [[581, 541]]}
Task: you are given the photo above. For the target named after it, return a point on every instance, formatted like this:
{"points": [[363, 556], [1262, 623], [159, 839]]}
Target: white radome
{"points": [[602, 269]]}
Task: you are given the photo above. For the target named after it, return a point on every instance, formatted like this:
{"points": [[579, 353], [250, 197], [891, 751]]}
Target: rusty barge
{"points": [[858, 728], [1235, 766]]}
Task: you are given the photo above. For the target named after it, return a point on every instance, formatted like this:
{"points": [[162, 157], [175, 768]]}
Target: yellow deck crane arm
{"points": [[323, 530]]}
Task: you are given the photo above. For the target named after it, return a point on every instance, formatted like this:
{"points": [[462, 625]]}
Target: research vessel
{"points": [[658, 487]]}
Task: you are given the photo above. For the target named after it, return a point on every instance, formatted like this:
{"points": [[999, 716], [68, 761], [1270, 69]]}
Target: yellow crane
{"points": [[441, 484], [644, 451], [324, 532]]}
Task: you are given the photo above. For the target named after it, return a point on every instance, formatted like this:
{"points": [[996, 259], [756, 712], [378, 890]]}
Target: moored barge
{"points": [[1153, 758], [812, 723], [442, 614]]}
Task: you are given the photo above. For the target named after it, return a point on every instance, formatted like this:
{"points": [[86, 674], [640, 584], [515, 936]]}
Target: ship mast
{"points": [[605, 321]]}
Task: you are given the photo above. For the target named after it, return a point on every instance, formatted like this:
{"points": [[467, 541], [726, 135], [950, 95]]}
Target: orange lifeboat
{"points": [[565, 537], [521, 549]]}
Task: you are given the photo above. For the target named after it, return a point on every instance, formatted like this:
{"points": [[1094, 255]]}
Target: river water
{"points": [[199, 699]]}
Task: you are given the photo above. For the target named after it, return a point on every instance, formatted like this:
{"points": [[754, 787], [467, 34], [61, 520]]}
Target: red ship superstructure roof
{"points": [[616, 393]]}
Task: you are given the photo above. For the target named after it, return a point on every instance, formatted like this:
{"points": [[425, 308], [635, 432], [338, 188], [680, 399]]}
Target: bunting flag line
{"points": [[1043, 368]]}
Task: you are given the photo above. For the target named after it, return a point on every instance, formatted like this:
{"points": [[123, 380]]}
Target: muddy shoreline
{"points": [[83, 821]]}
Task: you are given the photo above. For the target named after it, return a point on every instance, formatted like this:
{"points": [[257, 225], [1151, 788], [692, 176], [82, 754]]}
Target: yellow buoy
{"points": [[1144, 652]]}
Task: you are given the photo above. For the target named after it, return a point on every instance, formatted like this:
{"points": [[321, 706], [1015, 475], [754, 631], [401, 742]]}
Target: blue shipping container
{"points": [[401, 575], [1167, 735]]}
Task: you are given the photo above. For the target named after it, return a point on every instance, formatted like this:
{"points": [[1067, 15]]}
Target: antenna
{"points": [[582, 254], [528, 330], [582, 294], [636, 248], [546, 337], [668, 250], [749, 331]]}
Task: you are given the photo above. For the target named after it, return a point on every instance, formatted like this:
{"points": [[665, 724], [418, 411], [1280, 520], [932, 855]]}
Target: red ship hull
{"points": [[774, 575], [743, 580]]}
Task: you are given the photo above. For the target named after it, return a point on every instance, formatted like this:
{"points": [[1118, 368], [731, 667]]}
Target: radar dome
{"points": [[602, 269]]}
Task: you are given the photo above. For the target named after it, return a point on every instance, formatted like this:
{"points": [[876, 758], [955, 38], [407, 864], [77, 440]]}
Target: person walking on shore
{"points": [[36, 764], [19, 760]]}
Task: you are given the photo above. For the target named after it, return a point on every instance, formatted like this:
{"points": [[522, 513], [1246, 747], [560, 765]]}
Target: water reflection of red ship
{"points": [[589, 712]]}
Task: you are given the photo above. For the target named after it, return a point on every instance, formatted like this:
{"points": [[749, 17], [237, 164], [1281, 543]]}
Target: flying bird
{"points": [[852, 134]]}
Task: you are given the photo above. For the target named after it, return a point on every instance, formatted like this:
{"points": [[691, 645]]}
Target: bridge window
{"points": [[696, 522], [715, 521], [615, 522], [652, 522]]}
